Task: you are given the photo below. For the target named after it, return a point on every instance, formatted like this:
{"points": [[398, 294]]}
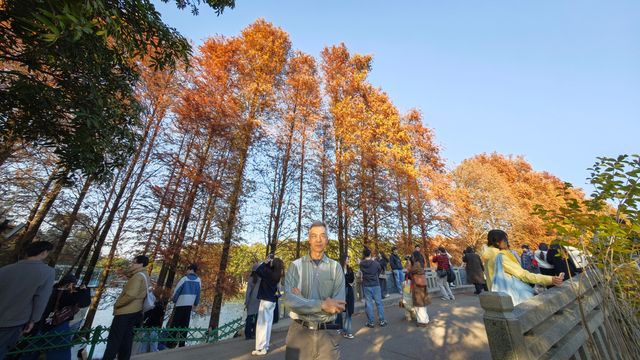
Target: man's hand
{"points": [[28, 327], [296, 291], [333, 306]]}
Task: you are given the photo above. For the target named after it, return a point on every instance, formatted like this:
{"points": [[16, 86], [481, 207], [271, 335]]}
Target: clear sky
{"points": [[555, 81]]}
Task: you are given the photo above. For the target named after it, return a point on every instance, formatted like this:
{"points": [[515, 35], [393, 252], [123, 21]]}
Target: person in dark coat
{"points": [[153, 320], [349, 281], [64, 294], [418, 255], [396, 268], [559, 257], [383, 261], [252, 304], [474, 269]]}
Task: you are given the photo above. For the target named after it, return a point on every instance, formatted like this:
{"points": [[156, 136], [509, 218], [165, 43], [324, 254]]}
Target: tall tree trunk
{"points": [[111, 216], [53, 258], [162, 202], [282, 188], [403, 238], [300, 194], [105, 231], [7, 148], [96, 230], [33, 227], [230, 223]]}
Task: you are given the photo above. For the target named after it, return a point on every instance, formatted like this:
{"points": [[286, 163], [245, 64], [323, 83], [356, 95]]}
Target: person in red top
{"points": [[442, 270]]}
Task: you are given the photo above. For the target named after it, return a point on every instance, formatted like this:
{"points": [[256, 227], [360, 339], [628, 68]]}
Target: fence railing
{"points": [[549, 325], [91, 337]]}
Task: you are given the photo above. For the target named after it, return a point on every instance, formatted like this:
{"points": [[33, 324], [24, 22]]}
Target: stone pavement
{"points": [[456, 331]]}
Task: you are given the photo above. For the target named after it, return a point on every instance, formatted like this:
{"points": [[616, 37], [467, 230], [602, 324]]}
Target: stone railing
{"points": [[548, 326], [430, 274]]}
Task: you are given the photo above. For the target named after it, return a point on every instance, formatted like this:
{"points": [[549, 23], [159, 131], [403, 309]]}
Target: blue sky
{"points": [[555, 81]]}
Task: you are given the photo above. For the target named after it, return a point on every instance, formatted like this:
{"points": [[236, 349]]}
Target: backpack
{"points": [[149, 301]]}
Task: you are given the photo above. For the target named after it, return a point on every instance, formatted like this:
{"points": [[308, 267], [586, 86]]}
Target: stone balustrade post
{"points": [[504, 330]]}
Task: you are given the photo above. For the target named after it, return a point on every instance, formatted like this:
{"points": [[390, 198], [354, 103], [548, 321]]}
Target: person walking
{"points": [[504, 272], [252, 304], [474, 270], [418, 255], [442, 273], [349, 280], [419, 294], [396, 268], [127, 311], [25, 290], [270, 272], [370, 282], [383, 261], [541, 256], [315, 293], [185, 297]]}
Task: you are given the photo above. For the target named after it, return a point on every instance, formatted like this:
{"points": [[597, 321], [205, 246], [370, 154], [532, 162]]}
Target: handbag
{"points": [[59, 316], [510, 285], [150, 300], [419, 280]]}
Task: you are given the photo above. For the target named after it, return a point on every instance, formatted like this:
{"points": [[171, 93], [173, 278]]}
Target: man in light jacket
{"points": [[127, 311], [25, 288], [185, 296]]}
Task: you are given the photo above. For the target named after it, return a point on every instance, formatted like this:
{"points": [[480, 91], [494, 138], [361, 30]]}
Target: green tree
{"points": [[68, 72]]}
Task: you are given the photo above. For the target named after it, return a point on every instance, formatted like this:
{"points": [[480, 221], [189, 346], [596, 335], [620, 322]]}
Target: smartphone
{"points": [[561, 275]]}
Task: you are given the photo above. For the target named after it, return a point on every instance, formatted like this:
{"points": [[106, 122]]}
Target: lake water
{"points": [[104, 315]]}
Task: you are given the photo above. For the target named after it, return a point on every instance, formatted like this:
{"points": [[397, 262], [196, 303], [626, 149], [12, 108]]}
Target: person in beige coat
{"points": [[127, 311]]}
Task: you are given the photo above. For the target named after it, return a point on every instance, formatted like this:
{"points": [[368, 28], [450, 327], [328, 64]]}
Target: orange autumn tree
{"points": [[496, 191], [261, 56]]}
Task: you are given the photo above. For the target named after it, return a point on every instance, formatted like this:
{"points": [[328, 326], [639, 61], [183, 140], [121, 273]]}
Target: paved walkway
{"points": [[456, 331]]}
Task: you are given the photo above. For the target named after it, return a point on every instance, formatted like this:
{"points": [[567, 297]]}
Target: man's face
{"points": [[135, 265], [318, 239]]}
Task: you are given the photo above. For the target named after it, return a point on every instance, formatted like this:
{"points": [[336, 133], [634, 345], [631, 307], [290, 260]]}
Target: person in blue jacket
{"points": [[185, 296]]}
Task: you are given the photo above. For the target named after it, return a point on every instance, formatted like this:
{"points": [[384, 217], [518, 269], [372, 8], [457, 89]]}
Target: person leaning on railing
{"points": [[504, 272]]}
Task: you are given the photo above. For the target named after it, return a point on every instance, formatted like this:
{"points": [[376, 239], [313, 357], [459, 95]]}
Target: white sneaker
{"points": [[259, 352]]}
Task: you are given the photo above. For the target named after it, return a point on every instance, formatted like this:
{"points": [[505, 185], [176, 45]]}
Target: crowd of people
{"points": [[319, 292]]}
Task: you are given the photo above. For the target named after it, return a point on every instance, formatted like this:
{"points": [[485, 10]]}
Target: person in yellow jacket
{"points": [[498, 244], [127, 312]]}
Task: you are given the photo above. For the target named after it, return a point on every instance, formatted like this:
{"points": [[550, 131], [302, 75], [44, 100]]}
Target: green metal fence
{"points": [[91, 337]]}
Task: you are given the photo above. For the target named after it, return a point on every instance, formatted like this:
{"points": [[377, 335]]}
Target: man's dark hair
{"points": [[394, 249], [366, 252], [525, 246], [543, 247], [141, 259], [417, 246], [495, 236], [442, 249], [193, 267], [38, 247], [318, 223]]}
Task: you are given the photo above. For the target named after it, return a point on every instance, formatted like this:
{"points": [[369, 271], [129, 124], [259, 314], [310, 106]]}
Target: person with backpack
{"points": [[419, 294], [127, 311], [185, 297], [442, 273]]}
